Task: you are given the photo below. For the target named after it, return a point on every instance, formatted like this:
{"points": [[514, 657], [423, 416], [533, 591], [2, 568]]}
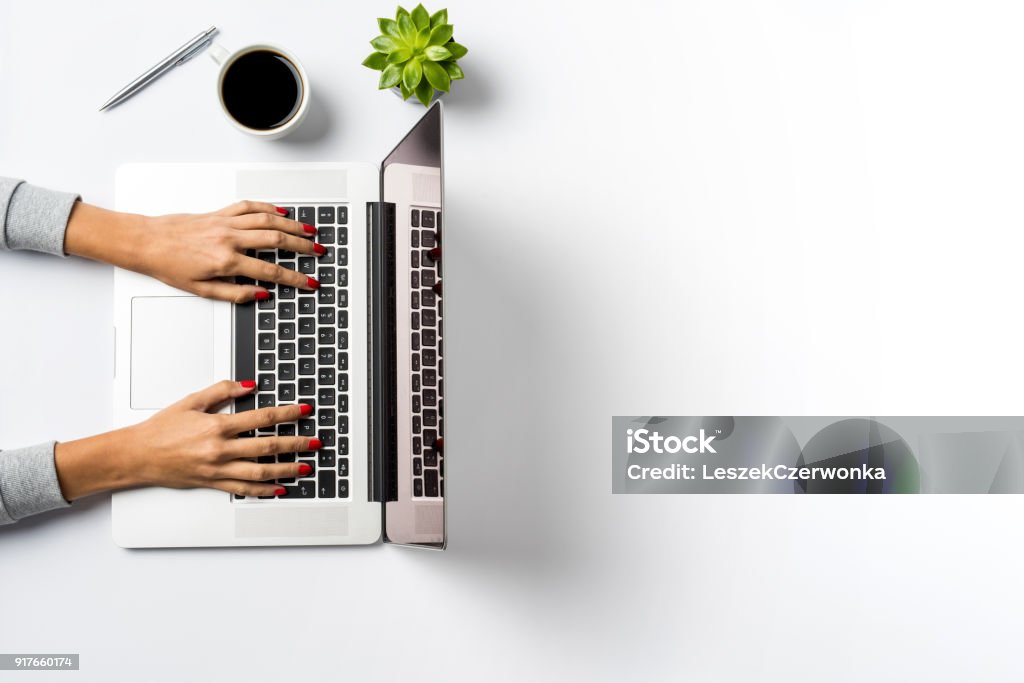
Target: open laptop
{"points": [[365, 350]]}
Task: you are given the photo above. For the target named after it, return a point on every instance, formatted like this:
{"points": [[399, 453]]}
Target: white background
{"points": [[722, 207]]}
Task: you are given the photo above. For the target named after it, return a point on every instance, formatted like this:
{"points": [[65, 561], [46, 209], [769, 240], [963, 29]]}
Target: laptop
{"points": [[365, 349]]}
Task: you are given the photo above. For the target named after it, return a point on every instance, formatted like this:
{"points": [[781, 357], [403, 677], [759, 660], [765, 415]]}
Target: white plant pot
{"points": [[398, 91]]}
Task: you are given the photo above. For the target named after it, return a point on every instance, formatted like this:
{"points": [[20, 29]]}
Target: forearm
{"points": [[95, 464], [108, 236]]}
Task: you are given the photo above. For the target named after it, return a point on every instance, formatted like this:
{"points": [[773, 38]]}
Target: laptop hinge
{"points": [[380, 226]]}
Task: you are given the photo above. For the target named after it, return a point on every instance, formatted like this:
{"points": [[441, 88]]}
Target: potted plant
{"points": [[416, 54]]}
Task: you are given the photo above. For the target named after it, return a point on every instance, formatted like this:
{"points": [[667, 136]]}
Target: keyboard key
{"points": [[325, 296], [343, 403], [286, 351], [417, 488], [429, 357], [325, 396], [307, 346], [343, 340], [307, 366], [427, 239], [266, 361], [415, 382], [414, 239], [265, 321], [430, 483], [343, 467], [343, 236], [429, 417], [307, 387], [429, 378], [342, 256], [343, 360], [325, 480], [327, 437], [307, 265], [285, 292], [325, 418], [343, 214], [343, 298], [325, 214], [414, 280], [327, 258], [429, 318], [325, 356], [414, 259], [289, 212], [417, 445], [415, 362], [428, 278], [417, 424], [325, 335], [325, 316], [428, 298], [427, 219], [304, 489], [414, 300], [343, 445], [415, 403], [307, 215], [286, 331], [307, 427], [266, 341], [415, 321], [287, 310], [266, 304], [343, 424], [307, 325], [417, 466], [415, 218], [286, 393], [343, 277], [307, 304], [415, 341], [265, 401], [325, 235], [343, 488], [286, 430], [429, 397], [342, 320], [286, 372], [325, 377], [429, 437], [429, 338], [343, 382], [326, 276]]}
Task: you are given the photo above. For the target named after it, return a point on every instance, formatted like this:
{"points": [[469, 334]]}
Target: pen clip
{"points": [[193, 52]]}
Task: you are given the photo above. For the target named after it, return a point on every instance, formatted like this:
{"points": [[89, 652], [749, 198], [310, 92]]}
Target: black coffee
{"points": [[262, 90]]}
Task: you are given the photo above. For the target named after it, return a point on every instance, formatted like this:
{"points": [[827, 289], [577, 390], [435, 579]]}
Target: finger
{"points": [[253, 471], [265, 417], [275, 239], [270, 445], [266, 221], [256, 269], [246, 206], [247, 488], [218, 393], [226, 291]]}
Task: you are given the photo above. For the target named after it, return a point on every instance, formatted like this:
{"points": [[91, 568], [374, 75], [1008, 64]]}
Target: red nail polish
{"points": [[281, 211], [435, 254], [305, 409], [315, 444], [248, 384], [439, 444], [312, 284], [262, 295], [310, 230], [305, 469], [437, 288], [279, 492], [319, 249]]}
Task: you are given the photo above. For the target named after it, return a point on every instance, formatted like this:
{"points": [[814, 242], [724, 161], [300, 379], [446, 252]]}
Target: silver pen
{"points": [[176, 58]]}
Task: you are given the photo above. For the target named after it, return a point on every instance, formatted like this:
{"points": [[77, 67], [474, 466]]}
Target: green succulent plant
{"points": [[416, 52]]}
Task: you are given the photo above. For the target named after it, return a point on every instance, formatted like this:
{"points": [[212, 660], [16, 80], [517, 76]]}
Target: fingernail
{"points": [[435, 254], [262, 295], [248, 384], [305, 408], [310, 230], [437, 288], [312, 284], [315, 445], [281, 211], [305, 469], [439, 444], [319, 249], [280, 491]]}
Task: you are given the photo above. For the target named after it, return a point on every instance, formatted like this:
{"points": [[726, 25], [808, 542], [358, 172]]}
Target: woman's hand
{"points": [[196, 252], [187, 446]]}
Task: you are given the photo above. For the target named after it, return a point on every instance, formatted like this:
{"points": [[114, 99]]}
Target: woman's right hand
{"points": [[186, 445]]}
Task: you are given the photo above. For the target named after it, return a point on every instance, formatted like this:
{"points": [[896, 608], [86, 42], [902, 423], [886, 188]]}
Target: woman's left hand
{"points": [[197, 253]]}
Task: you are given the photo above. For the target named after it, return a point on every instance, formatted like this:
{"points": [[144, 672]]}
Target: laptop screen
{"points": [[410, 400]]}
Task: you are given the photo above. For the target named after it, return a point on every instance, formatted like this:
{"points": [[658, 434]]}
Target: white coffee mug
{"points": [[225, 59]]}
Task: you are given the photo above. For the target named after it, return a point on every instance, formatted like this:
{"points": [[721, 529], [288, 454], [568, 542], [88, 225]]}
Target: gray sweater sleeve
{"points": [[31, 218]]}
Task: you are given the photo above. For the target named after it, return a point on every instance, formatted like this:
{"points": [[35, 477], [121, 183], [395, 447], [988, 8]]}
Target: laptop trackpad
{"points": [[172, 349]]}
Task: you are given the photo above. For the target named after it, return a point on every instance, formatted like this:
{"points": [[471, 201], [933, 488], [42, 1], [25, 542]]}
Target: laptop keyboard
{"points": [[427, 366], [302, 355]]}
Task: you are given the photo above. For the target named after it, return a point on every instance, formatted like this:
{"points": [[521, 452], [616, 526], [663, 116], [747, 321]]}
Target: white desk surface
{"points": [[736, 207]]}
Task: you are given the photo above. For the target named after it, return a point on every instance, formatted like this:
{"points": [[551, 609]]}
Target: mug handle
{"points": [[218, 53]]}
